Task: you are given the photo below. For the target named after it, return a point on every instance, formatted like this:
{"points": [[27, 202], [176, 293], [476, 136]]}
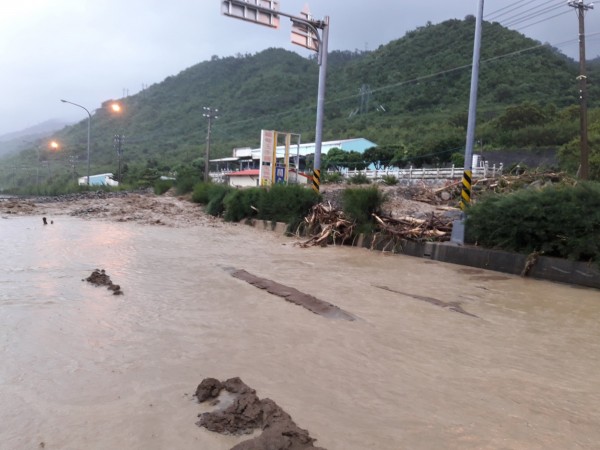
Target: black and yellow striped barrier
{"points": [[316, 179], [465, 196]]}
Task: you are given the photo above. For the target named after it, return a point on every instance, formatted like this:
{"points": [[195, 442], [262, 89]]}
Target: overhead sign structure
{"points": [[303, 34], [263, 12]]}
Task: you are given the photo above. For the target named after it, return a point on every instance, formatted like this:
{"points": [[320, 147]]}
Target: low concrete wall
{"points": [[543, 267]]}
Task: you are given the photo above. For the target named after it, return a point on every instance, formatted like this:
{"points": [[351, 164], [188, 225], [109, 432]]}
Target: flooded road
{"points": [[82, 368]]}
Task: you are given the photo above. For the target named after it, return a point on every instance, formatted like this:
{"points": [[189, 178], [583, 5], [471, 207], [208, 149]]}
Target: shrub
{"points": [[211, 195], [359, 178], [239, 204], [361, 204], [217, 193], [562, 221], [333, 177], [288, 204], [162, 186], [201, 193], [389, 180]]}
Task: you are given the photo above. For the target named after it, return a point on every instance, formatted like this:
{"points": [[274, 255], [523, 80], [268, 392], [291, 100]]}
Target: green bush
{"points": [[561, 221], [389, 180], [333, 177], [217, 193], [289, 204], [212, 195], [359, 178], [162, 186], [360, 205], [201, 193], [240, 202]]}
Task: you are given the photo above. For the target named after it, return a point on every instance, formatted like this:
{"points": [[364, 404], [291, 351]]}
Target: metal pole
{"points": [[320, 104], [458, 227], [584, 171], [88, 135], [209, 114], [468, 166]]}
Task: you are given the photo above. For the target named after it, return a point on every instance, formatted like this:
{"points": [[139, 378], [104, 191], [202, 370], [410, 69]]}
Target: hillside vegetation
{"points": [[409, 96]]}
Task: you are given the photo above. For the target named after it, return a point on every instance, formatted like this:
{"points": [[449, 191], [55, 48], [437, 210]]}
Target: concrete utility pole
{"points": [[458, 227], [581, 8], [118, 143], [210, 114]]}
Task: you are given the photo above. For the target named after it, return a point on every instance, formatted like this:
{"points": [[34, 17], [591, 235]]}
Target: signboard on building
{"points": [[268, 148]]}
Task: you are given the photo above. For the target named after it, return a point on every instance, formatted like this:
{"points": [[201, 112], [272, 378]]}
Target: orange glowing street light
{"points": [[116, 107], [54, 145]]}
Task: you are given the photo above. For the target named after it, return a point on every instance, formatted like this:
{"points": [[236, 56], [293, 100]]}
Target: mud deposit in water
{"points": [[307, 301], [245, 413], [452, 306], [99, 277]]}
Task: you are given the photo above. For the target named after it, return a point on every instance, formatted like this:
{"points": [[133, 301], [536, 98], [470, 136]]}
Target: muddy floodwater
{"points": [[438, 356]]}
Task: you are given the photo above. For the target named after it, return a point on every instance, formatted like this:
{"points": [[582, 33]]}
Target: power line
{"points": [[492, 17]]}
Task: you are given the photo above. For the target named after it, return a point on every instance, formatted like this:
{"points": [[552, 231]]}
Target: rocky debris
{"points": [[100, 278], [247, 413]]}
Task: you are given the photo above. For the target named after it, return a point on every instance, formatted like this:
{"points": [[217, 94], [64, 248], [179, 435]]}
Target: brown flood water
{"points": [[83, 369]]}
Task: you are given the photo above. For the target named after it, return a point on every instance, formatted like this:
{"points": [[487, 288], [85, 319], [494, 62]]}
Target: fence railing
{"points": [[411, 173], [440, 173]]}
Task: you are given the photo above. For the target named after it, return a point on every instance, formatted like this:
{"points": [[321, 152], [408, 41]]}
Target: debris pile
{"points": [[243, 412], [326, 224], [434, 228], [100, 278]]}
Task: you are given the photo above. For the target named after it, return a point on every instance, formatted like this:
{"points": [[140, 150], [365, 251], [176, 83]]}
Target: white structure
{"points": [[102, 179]]}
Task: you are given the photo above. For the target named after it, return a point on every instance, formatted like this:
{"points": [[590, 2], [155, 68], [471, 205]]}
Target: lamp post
{"points": [[88, 136]]}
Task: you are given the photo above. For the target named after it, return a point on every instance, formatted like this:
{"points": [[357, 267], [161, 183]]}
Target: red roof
{"points": [[245, 173]]}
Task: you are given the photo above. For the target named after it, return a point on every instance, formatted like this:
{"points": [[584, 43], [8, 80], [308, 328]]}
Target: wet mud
{"points": [[293, 295], [245, 412], [452, 306], [99, 277]]}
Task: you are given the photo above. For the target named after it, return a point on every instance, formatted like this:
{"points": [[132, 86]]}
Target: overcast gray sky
{"points": [[89, 51]]}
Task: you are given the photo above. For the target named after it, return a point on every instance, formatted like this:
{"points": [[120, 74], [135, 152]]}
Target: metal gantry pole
{"points": [[307, 32], [320, 104], [584, 171]]}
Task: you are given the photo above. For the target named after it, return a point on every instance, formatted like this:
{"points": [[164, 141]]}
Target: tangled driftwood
{"points": [[325, 225]]}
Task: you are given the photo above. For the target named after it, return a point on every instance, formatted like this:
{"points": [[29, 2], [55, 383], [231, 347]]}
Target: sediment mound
{"points": [[246, 413], [100, 278]]}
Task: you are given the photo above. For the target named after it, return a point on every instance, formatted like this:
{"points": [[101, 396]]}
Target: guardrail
{"points": [[440, 173]]}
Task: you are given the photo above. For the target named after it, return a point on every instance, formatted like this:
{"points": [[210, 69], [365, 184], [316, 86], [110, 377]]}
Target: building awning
{"points": [[244, 173]]}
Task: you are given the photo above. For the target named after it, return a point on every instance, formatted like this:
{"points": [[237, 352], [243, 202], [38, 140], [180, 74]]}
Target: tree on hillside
{"points": [[379, 156]]}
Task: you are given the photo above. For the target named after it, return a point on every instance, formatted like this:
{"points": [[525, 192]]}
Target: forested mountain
{"points": [[410, 96]]}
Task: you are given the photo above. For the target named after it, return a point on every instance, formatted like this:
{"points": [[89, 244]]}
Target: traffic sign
{"points": [[304, 34], [263, 12]]}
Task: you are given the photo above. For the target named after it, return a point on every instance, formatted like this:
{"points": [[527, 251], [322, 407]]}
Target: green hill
{"points": [[410, 95]]}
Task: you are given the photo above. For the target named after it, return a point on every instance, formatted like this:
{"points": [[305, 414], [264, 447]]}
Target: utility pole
{"points": [[581, 8], [118, 144], [210, 114], [458, 227]]}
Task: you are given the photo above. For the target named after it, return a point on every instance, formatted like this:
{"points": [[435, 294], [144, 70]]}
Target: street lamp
{"points": [[88, 136]]}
